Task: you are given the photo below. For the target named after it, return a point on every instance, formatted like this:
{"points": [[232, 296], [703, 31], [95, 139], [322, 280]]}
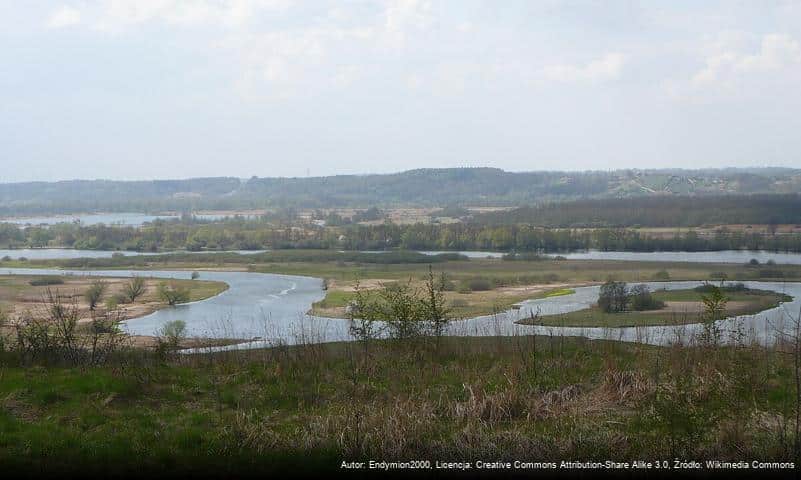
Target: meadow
{"points": [[531, 398]]}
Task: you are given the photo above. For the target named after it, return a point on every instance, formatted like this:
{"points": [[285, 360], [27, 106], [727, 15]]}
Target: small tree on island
{"points": [[173, 294], [613, 296], [134, 289]]}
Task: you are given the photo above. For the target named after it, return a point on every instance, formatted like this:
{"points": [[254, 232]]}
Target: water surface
{"points": [[272, 309], [724, 256], [126, 219], [69, 253]]}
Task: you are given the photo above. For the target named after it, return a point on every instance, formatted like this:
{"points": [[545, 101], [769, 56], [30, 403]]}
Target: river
{"points": [[270, 309], [722, 256], [69, 253]]}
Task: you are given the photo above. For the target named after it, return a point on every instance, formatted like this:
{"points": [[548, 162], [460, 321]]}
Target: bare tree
{"points": [[134, 289], [95, 293]]}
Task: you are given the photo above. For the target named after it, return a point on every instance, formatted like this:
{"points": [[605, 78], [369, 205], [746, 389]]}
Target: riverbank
{"points": [[24, 295]]}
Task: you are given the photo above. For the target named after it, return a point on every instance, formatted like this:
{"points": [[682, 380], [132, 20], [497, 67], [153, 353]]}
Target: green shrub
{"points": [[95, 293], [662, 275], [479, 284], [728, 287], [771, 273], [173, 294], [640, 299], [45, 281], [171, 334]]}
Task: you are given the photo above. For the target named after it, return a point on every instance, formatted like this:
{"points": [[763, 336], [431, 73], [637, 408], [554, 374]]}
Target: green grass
{"points": [[259, 411], [559, 292], [465, 305], [335, 299], [757, 301], [201, 289]]}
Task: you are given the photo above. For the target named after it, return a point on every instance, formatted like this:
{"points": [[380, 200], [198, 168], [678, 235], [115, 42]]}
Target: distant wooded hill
{"points": [[425, 187]]}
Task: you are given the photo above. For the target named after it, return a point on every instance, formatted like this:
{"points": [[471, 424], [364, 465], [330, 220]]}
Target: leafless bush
{"points": [[52, 334], [134, 289]]}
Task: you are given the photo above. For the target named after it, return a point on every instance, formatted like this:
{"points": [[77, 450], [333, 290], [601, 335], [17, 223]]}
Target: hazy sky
{"points": [[170, 88]]}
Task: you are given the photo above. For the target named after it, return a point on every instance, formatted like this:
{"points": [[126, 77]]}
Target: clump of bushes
{"points": [[451, 257], [46, 281], [172, 333], [640, 299], [613, 296], [616, 297], [661, 275], [771, 273], [728, 287], [479, 284], [173, 294]]}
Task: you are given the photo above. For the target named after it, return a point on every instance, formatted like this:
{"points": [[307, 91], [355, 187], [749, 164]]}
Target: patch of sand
{"points": [[697, 307], [349, 286]]}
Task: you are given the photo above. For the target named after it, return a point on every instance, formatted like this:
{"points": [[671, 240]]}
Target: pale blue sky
{"points": [[172, 89]]}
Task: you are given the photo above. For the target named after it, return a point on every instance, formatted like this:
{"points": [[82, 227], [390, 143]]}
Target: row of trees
{"points": [[260, 234]]}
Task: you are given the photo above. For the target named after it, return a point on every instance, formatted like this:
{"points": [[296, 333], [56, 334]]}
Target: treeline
{"points": [[276, 256], [664, 211], [81, 196], [259, 234], [526, 238], [424, 187]]}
